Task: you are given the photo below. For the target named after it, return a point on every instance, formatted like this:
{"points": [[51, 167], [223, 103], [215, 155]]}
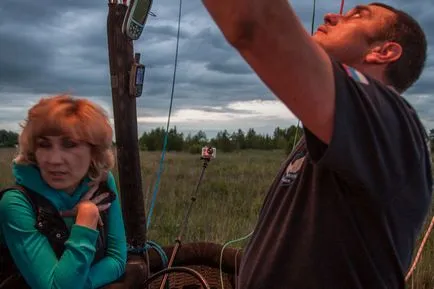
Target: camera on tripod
{"points": [[208, 152]]}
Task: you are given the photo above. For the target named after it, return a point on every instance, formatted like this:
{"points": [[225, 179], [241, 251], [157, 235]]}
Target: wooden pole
{"points": [[121, 59]]}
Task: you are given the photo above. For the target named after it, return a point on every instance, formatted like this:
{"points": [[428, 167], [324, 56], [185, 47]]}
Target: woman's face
{"points": [[63, 162]]}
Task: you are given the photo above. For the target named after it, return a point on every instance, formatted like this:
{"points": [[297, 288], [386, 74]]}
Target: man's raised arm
{"points": [[270, 37]]}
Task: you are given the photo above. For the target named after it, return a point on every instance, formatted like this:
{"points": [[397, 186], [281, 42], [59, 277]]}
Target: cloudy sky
{"points": [[51, 46]]}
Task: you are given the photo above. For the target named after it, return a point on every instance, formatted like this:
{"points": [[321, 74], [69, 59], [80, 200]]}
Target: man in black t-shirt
{"points": [[347, 206]]}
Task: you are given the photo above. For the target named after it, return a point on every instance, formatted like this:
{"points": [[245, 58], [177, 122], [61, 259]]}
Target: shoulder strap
{"points": [[10, 277], [48, 219], [22, 190], [50, 223]]}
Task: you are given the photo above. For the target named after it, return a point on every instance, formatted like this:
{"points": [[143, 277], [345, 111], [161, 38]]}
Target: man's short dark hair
{"points": [[406, 31]]}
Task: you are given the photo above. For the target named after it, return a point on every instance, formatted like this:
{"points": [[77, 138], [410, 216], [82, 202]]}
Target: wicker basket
{"points": [[205, 259], [186, 281], [202, 257]]}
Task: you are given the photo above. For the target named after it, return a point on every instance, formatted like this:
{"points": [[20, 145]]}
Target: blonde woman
{"points": [[62, 227]]}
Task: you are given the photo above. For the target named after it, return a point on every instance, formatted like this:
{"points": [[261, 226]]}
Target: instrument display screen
{"points": [[140, 73], [140, 13]]}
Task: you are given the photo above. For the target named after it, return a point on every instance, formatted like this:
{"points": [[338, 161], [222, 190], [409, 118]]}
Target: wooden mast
{"points": [[121, 59]]}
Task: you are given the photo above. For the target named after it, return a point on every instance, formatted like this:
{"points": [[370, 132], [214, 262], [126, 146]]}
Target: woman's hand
{"points": [[85, 205], [87, 214]]}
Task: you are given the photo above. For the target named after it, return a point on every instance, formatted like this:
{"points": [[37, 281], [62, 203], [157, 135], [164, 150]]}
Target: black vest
{"points": [[50, 224]]}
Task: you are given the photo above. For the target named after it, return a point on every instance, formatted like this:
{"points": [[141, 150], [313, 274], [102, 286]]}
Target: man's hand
{"points": [[270, 37]]}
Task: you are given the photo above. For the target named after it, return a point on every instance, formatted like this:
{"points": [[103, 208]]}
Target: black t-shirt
{"points": [[346, 215]]}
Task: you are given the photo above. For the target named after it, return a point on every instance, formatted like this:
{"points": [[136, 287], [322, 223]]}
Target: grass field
{"points": [[228, 201]]}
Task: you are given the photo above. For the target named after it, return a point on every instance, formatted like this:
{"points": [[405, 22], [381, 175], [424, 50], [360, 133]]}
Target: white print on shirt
{"points": [[293, 169]]}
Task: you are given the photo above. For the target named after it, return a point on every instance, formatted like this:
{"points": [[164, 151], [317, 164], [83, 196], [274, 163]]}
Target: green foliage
{"points": [[224, 141], [8, 139], [155, 139], [195, 149]]}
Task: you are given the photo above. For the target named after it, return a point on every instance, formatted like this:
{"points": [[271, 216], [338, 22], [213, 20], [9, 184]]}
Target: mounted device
{"points": [[135, 18], [137, 76], [209, 153]]}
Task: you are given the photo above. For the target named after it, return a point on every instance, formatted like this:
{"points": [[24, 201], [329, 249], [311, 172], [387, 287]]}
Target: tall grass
{"points": [[228, 200]]}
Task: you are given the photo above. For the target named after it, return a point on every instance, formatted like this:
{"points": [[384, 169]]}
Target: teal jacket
{"points": [[33, 254]]}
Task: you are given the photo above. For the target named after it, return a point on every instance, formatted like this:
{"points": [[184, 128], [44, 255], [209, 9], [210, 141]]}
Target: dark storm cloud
{"points": [[41, 12], [230, 66], [42, 53], [16, 64], [166, 32], [52, 46]]}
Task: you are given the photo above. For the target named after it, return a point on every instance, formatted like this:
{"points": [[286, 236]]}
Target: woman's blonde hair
{"points": [[78, 118]]}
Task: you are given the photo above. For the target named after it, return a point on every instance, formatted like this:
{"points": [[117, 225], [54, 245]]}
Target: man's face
{"points": [[348, 38]]}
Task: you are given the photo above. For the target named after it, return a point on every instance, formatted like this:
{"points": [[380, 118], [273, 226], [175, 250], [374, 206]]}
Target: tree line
{"points": [[282, 139], [225, 141], [8, 139]]}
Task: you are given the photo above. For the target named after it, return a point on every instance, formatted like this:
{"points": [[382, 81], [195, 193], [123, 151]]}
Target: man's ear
{"points": [[384, 53]]}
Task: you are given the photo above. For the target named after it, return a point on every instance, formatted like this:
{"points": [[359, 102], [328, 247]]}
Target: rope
{"points": [[419, 252], [342, 7], [163, 153], [145, 251], [151, 245], [312, 28], [221, 254]]}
